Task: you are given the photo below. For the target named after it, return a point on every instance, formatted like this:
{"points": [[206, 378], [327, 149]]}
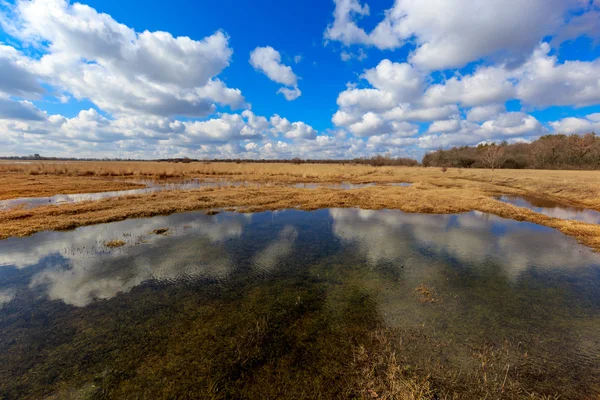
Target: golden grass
{"points": [[15, 185], [427, 293], [577, 187], [115, 243], [433, 191], [427, 199]]}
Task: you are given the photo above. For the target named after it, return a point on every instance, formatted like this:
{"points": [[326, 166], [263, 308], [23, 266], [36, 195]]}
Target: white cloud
{"points": [[223, 129], [400, 79], [92, 56], [280, 124], [484, 86], [292, 130], [268, 61], [347, 56], [16, 78], [372, 124], [570, 125], [400, 92], [406, 112], [343, 28], [545, 82], [290, 94], [504, 126], [447, 125], [482, 113], [451, 33], [20, 110], [142, 83]]}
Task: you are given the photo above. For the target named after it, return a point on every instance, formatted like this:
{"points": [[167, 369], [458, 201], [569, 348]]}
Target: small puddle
{"points": [[403, 184], [32, 202], [341, 185], [346, 185], [552, 208]]}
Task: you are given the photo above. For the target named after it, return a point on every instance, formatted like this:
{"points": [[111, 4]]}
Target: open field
{"points": [[432, 191]]}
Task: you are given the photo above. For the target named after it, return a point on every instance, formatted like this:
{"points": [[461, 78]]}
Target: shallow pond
{"points": [[294, 304], [151, 186], [553, 208]]}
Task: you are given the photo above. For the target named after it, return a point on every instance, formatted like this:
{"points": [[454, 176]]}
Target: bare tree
{"points": [[493, 157]]}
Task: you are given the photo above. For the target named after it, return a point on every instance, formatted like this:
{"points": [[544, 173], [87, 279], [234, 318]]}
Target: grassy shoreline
{"points": [[432, 191]]}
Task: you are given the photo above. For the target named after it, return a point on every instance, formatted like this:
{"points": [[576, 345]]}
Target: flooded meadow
{"points": [[333, 303]]}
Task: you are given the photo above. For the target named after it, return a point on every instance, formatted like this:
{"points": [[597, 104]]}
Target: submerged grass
{"points": [[314, 331], [115, 243]]}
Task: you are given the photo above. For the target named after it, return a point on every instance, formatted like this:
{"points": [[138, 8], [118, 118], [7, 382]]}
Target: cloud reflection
{"points": [[471, 239], [86, 270]]}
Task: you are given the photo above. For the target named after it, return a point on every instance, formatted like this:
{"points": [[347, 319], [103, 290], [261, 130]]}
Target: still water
{"points": [[151, 186], [294, 304], [553, 208]]}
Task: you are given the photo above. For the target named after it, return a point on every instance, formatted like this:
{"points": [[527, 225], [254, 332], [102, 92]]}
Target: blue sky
{"points": [[155, 79]]}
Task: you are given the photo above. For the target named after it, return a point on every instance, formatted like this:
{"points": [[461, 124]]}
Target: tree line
{"points": [[547, 152]]}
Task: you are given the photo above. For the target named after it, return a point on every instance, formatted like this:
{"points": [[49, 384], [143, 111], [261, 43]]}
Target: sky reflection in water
{"points": [[495, 278], [553, 209], [76, 267]]}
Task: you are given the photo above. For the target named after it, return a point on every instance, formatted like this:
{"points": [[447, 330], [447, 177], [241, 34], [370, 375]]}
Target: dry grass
{"points": [[15, 185], [427, 294], [576, 187], [386, 368], [433, 191], [114, 243], [20, 222]]}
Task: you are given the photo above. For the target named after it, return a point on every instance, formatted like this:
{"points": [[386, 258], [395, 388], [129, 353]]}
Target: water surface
{"points": [[283, 304], [151, 186], [552, 208]]}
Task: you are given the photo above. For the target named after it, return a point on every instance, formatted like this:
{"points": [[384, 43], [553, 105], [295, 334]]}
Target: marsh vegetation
{"points": [[339, 303], [445, 301]]}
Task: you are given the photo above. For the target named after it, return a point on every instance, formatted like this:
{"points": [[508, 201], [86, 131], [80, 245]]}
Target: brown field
{"points": [[433, 191]]}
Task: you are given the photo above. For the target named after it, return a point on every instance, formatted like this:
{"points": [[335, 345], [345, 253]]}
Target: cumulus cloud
{"points": [[402, 92], [447, 125], [484, 86], [16, 78], [372, 124], [20, 110], [290, 94], [548, 83], [504, 126], [158, 95], [570, 125], [449, 34], [268, 61], [92, 56], [292, 130], [482, 113]]}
